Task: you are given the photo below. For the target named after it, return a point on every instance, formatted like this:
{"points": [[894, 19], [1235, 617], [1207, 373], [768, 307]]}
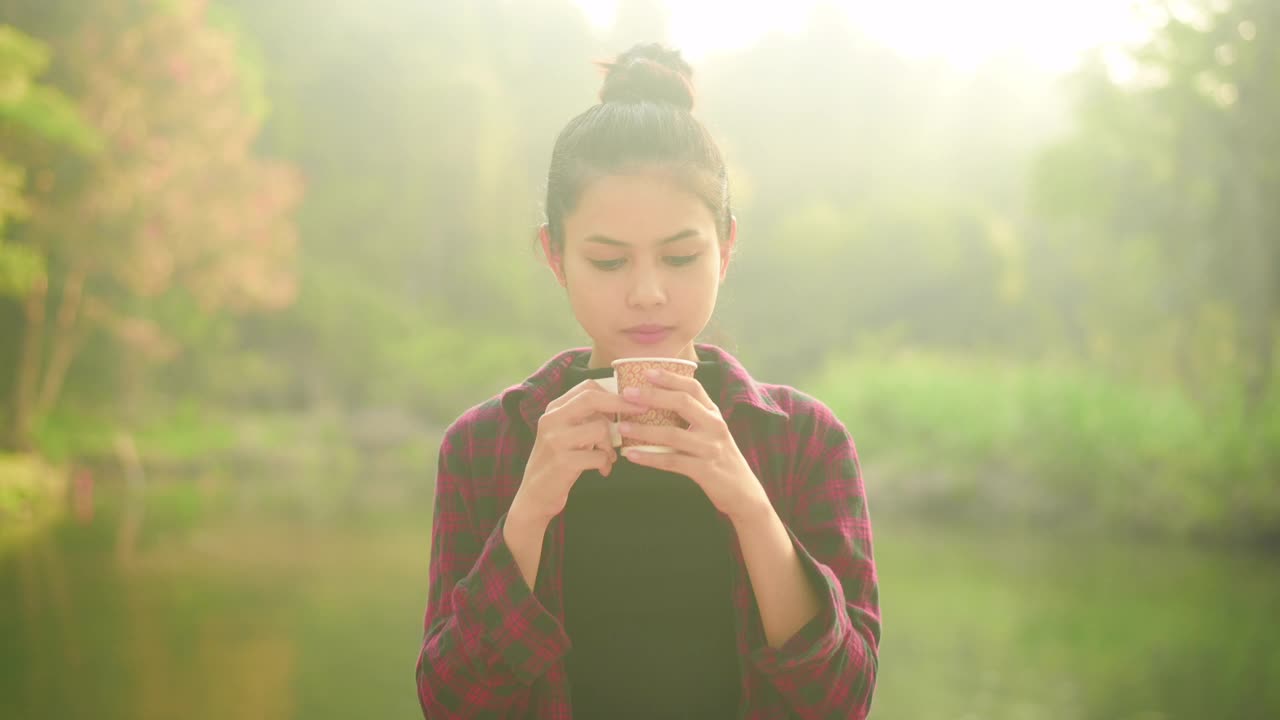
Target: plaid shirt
{"points": [[494, 649]]}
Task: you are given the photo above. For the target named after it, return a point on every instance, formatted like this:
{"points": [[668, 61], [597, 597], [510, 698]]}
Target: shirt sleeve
{"points": [[487, 637], [828, 668]]}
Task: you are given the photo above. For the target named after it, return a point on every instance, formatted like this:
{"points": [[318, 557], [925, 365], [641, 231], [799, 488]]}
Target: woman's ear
{"points": [[726, 249], [554, 258]]}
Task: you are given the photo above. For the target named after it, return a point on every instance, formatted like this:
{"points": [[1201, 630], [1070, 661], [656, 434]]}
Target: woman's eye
{"points": [[609, 264], [678, 260]]}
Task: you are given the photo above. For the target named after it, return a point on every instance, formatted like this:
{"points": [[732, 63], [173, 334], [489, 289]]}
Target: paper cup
{"points": [[629, 372]]}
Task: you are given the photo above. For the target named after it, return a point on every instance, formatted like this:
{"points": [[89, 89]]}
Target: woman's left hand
{"points": [[705, 451]]}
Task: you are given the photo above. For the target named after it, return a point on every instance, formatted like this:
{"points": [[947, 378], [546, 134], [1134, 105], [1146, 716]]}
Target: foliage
{"points": [[32, 496], [175, 211], [1021, 443], [1051, 239], [36, 110], [1157, 202]]}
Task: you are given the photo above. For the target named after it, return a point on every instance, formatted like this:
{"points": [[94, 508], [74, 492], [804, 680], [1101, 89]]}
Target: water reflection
{"points": [[237, 602]]}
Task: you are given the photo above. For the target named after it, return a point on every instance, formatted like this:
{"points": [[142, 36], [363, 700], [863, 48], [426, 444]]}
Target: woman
{"points": [[732, 578]]}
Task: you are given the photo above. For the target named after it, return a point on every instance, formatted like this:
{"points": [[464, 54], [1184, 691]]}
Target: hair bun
{"points": [[648, 73]]}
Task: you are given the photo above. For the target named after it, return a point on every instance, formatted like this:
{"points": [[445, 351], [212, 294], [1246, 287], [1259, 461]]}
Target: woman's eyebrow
{"points": [[606, 240]]}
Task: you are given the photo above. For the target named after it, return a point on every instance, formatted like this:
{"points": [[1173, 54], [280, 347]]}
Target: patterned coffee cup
{"points": [[629, 372]]}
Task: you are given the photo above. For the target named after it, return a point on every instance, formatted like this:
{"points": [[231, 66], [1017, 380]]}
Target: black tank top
{"points": [[648, 593]]}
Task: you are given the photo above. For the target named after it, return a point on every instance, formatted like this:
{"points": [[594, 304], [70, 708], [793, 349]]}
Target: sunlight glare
{"points": [[1053, 35]]}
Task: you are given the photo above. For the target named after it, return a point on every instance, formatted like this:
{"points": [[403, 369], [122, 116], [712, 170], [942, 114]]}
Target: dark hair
{"points": [[644, 121]]}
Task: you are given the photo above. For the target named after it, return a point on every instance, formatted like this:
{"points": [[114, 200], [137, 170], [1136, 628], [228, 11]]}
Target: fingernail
{"points": [[624, 427], [631, 393], [652, 373]]}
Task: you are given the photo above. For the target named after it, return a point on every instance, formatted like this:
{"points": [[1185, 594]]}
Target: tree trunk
{"points": [[66, 341], [1257, 277], [28, 378]]}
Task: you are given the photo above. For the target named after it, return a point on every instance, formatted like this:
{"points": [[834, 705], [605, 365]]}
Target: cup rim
{"points": [[679, 361]]}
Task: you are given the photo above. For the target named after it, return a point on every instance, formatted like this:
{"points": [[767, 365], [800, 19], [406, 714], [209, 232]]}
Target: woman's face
{"points": [[642, 266]]}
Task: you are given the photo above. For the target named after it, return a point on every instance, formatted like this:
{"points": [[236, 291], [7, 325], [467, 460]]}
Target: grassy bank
{"points": [[32, 496], [185, 439], [939, 436], [1040, 444]]}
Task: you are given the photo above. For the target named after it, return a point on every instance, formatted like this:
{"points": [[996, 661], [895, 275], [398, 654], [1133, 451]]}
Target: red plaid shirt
{"points": [[494, 649]]}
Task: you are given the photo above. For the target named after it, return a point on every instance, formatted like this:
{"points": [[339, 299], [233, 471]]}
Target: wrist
{"points": [[752, 514], [523, 518], [524, 534]]}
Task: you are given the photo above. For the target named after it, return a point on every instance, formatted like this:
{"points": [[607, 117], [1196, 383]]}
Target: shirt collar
{"points": [[529, 399]]}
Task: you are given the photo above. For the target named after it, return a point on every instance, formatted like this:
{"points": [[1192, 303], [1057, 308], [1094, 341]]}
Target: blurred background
{"points": [[256, 254]]}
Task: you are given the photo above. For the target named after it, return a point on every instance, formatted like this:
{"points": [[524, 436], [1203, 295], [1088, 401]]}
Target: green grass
{"points": [[182, 432], [32, 498], [1061, 443]]}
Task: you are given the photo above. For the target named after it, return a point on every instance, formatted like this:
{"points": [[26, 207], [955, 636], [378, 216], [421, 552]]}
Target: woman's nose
{"points": [[647, 289]]}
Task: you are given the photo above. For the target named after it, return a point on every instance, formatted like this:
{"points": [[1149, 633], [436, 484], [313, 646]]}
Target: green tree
{"points": [[1158, 205], [879, 197], [28, 110], [424, 131], [177, 210]]}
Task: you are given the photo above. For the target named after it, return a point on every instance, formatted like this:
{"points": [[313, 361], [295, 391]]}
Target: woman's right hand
{"points": [[572, 437]]}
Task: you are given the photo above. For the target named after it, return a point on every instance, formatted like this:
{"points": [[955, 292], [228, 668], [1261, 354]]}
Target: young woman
{"points": [[732, 578]]}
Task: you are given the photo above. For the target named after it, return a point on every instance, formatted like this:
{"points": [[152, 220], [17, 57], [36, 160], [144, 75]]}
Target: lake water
{"points": [[222, 602]]}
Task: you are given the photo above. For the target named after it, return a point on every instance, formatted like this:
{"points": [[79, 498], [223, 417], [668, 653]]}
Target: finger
{"points": [[587, 406], [572, 393], [583, 436], [671, 462], [583, 460], [674, 381], [679, 439], [599, 402], [677, 401]]}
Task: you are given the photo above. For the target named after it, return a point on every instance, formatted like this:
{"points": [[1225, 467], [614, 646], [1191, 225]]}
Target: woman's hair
{"points": [[642, 123]]}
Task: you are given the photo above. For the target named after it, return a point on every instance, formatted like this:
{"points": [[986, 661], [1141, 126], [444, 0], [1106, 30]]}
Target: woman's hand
{"points": [[572, 437], [705, 452]]}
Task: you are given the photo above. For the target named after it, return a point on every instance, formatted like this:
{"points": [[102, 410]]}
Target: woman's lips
{"points": [[648, 334]]}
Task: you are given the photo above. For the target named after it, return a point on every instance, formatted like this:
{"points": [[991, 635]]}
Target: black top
{"points": [[648, 592]]}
